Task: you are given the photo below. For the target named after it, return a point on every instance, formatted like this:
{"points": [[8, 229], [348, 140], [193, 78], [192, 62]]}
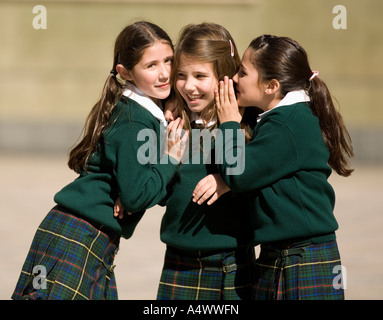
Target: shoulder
{"points": [[298, 114], [284, 113], [128, 109], [128, 119], [129, 114]]}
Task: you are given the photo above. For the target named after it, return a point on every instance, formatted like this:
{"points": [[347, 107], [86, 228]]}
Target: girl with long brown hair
{"points": [[299, 138], [208, 248], [74, 247]]}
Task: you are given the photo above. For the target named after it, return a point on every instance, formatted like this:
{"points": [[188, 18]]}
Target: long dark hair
{"points": [[128, 50], [285, 60]]}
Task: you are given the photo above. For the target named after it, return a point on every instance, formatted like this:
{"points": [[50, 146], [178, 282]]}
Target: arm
{"points": [[270, 156], [142, 173]]}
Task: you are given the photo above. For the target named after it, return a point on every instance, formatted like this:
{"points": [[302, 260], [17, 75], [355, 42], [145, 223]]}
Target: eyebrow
{"points": [[156, 61]]}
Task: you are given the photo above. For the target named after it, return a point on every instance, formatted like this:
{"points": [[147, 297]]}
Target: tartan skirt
{"points": [[195, 275], [69, 259], [300, 272]]}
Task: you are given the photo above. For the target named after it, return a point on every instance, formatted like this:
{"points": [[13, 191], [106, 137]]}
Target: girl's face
{"points": [[152, 73], [250, 91], [196, 83]]}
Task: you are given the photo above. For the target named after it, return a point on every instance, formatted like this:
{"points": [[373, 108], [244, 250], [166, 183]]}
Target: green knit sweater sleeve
{"points": [[142, 178], [271, 155]]}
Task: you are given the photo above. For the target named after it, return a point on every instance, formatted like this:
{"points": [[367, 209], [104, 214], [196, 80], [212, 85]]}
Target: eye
{"points": [[241, 73], [200, 76], [181, 76], [169, 61]]}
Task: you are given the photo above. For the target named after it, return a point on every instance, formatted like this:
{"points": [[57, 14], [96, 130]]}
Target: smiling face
{"points": [[196, 82], [152, 73]]}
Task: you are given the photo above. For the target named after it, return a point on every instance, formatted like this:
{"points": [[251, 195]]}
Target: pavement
{"points": [[29, 182]]}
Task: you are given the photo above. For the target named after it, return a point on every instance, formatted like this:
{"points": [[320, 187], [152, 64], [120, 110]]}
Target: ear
{"points": [[273, 87], [123, 72]]}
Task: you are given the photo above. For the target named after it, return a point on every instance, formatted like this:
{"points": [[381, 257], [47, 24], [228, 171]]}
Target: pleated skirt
{"points": [[69, 259], [194, 275], [300, 272]]}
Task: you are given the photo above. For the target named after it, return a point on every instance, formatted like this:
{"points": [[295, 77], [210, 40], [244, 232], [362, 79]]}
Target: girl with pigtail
{"points": [[298, 139], [75, 245]]}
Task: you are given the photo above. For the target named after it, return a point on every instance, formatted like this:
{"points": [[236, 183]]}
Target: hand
{"points": [[177, 139], [211, 186], [226, 102], [119, 209], [171, 112]]}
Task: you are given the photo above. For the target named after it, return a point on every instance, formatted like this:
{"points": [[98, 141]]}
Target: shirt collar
{"points": [[142, 99], [290, 98], [197, 119]]}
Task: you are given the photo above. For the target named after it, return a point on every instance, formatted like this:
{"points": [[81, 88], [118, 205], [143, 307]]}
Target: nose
{"points": [[189, 84], [164, 72]]}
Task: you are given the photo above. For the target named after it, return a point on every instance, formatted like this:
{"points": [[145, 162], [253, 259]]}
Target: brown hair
{"points": [[283, 59], [128, 50], [206, 43]]}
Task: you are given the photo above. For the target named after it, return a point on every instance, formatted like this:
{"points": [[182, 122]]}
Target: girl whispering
{"points": [[299, 138], [75, 245]]}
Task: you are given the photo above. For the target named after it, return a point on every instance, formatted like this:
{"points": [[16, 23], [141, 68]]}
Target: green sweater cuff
{"points": [[230, 125]]}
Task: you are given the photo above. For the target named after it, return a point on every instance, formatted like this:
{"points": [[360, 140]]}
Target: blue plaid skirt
{"points": [[299, 272], [69, 259]]}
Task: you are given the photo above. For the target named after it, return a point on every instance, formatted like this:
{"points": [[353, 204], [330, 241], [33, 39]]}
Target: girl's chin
{"points": [[195, 109]]}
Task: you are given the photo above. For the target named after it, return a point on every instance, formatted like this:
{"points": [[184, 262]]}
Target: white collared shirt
{"points": [[197, 119], [290, 98], [143, 100]]}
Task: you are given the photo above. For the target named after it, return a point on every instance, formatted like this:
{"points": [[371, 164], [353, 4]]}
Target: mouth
{"points": [[194, 97], [236, 91], [163, 86]]}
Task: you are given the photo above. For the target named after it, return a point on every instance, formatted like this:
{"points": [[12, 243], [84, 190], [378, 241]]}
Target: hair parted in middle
{"points": [[128, 50]]}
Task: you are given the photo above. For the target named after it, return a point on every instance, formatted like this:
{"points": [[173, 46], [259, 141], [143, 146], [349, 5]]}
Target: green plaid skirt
{"points": [[69, 259], [300, 272], [194, 275]]}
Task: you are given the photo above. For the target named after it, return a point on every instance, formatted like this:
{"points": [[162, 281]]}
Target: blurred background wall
{"points": [[50, 78]]}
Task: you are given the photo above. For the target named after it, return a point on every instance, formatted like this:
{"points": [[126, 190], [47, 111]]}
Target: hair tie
{"points": [[231, 48], [315, 73], [113, 72]]}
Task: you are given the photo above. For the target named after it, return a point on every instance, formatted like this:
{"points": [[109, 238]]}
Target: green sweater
{"points": [[224, 225], [285, 176], [114, 170]]}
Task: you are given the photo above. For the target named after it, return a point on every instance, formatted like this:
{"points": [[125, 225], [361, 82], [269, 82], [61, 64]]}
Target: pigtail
{"points": [[334, 131], [283, 59], [95, 123], [128, 49]]}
